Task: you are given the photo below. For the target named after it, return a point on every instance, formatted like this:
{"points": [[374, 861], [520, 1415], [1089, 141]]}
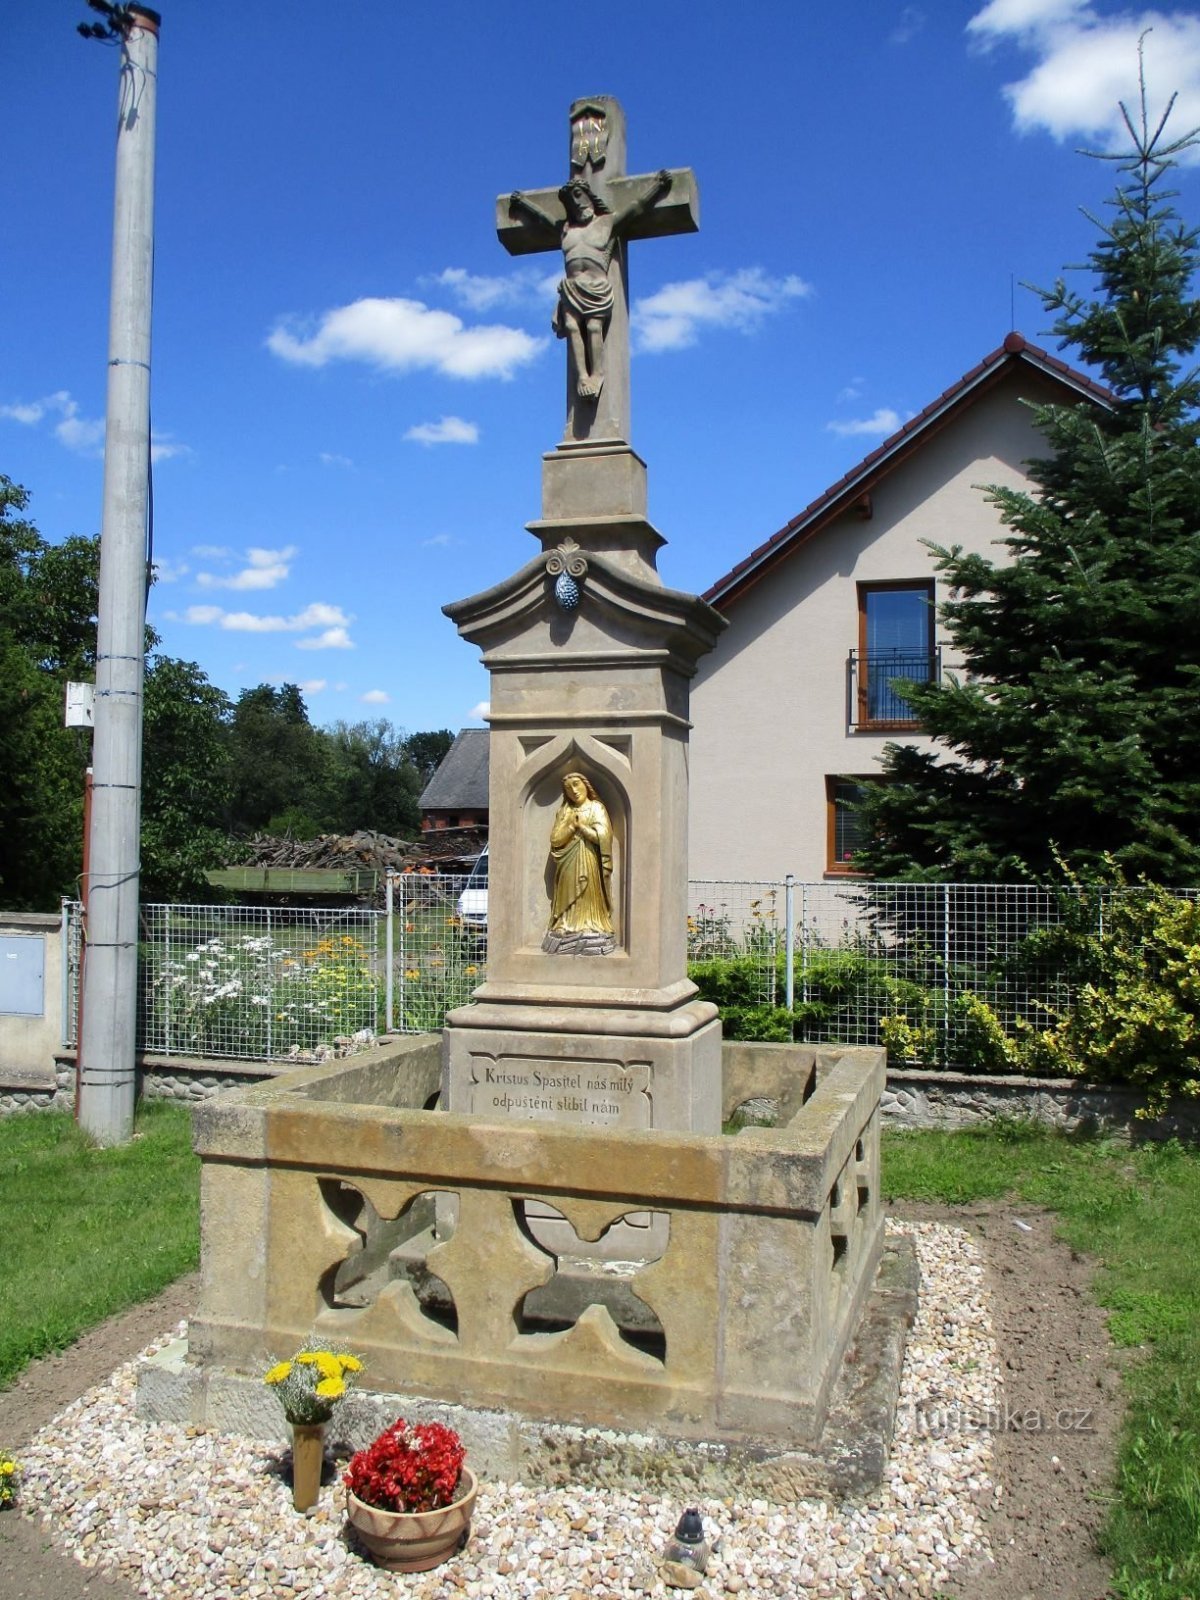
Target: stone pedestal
{"points": [[598, 687]]}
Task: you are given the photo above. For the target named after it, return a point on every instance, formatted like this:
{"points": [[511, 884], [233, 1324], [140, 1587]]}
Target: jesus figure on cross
{"points": [[589, 235]]}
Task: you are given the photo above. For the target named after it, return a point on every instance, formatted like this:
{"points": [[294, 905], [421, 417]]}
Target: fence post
{"points": [[789, 940], [389, 1006], [168, 986], [272, 968], [945, 972], [402, 956], [804, 941]]}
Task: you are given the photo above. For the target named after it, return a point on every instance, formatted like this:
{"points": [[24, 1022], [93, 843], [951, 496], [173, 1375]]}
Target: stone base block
{"points": [[847, 1461], [616, 1081], [597, 480], [602, 1079]]}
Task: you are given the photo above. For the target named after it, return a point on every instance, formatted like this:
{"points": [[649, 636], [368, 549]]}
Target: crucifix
{"points": [[590, 219]]}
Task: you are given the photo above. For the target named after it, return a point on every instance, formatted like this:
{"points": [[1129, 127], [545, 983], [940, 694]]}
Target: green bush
{"points": [[1115, 997], [1136, 1017], [774, 1024], [737, 981]]}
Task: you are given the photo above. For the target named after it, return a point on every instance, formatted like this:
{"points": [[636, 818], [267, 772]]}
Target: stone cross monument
{"points": [[587, 1014], [590, 219]]}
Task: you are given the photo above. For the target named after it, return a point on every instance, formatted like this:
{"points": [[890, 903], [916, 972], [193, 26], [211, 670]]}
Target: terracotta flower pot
{"points": [[308, 1456], [414, 1541]]}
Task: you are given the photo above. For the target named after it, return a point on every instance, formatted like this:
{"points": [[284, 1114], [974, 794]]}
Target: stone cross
{"points": [[591, 219]]}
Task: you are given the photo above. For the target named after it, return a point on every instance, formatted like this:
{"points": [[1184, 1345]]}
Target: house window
{"points": [[895, 640], [845, 834]]}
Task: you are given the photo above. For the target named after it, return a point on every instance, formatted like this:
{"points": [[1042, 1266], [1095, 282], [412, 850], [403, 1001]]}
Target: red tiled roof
{"points": [[858, 481]]}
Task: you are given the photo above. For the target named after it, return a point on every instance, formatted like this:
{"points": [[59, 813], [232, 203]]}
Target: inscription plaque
{"points": [[598, 1094]]}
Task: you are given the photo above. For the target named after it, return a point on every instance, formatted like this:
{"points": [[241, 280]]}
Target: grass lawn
{"points": [[87, 1232], [1138, 1212]]}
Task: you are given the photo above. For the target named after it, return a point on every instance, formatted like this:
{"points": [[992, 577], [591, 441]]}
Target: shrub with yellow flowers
{"points": [[10, 1478], [312, 1382]]}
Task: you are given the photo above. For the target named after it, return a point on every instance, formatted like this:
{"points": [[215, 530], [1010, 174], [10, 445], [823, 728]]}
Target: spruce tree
{"points": [[1075, 728]]}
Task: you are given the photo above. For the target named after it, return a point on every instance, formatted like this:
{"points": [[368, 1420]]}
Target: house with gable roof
{"points": [[456, 796], [827, 620]]}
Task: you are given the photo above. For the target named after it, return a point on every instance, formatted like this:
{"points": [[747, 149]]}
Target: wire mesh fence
{"points": [[257, 982], [439, 949], [925, 969], [742, 922], [938, 973]]}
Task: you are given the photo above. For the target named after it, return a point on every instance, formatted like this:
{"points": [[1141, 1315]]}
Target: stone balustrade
{"points": [[334, 1204]]}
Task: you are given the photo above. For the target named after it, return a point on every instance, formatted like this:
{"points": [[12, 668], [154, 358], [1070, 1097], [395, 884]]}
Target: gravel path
{"points": [[179, 1512]]}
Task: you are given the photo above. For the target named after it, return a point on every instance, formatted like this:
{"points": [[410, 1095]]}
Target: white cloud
{"points": [[884, 421], [908, 25], [313, 685], [407, 336], [211, 552], [168, 571], [317, 615], [447, 430], [331, 639], [437, 541], [328, 458], [479, 293], [376, 697], [671, 318], [480, 712], [27, 414], [164, 448], [82, 434], [1086, 63], [264, 569]]}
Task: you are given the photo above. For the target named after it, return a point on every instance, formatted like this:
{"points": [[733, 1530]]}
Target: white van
{"points": [[473, 901]]}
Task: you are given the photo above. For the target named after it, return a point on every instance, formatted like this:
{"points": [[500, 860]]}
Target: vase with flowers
{"points": [[10, 1479], [309, 1386], [410, 1496]]}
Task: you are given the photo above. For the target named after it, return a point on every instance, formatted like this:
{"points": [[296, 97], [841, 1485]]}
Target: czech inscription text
{"points": [[596, 1093]]}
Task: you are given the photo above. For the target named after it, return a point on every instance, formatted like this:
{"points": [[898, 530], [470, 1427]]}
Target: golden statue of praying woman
{"points": [[581, 920]]}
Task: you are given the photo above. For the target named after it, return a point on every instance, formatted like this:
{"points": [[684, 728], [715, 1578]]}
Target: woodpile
{"points": [[440, 850]]}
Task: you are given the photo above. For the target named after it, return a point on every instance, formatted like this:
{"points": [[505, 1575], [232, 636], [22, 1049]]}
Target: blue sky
{"points": [[353, 383]]}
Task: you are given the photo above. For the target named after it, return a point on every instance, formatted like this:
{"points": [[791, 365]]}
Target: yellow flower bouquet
{"points": [[312, 1382], [10, 1477]]}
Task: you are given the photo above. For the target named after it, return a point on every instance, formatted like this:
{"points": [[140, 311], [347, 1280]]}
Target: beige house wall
{"points": [[769, 705]]}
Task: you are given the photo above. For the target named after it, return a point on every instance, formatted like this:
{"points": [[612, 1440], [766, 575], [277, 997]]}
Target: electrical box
{"points": [[22, 975], [81, 705]]}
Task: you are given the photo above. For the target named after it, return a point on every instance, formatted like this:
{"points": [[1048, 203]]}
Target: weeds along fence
{"points": [[939, 973]]}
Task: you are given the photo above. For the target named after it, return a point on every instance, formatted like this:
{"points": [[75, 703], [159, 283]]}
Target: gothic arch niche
{"points": [[606, 763]]}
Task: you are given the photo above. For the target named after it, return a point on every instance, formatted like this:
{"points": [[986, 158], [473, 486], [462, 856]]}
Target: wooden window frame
{"points": [[833, 867], [866, 723]]}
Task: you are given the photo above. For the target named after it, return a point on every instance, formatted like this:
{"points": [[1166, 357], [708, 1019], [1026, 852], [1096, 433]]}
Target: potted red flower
{"points": [[410, 1496]]}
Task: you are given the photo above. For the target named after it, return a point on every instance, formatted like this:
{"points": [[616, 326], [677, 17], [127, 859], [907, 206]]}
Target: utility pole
{"points": [[107, 1073]]}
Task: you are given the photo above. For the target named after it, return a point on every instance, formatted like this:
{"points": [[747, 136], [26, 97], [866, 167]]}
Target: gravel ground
{"points": [[179, 1512]]}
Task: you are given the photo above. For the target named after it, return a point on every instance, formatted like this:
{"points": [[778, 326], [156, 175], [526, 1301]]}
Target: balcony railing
{"points": [[875, 686]]}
